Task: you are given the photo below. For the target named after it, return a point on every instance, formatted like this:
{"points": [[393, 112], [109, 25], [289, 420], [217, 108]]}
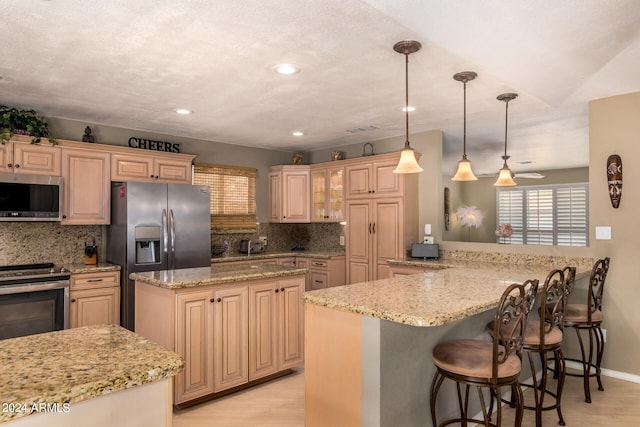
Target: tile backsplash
{"points": [[35, 242], [284, 237]]}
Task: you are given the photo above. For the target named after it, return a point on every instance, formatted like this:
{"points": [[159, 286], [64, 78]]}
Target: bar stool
{"points": [[544, 338], [486, 364], [588, 317]]}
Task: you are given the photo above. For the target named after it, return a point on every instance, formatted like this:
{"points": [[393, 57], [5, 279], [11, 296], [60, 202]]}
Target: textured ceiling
{"points": [[132, 63]]}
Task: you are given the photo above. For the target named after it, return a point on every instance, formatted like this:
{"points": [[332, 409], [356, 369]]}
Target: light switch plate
{"points": [[603, 233], [341, 240], [264, 240]]}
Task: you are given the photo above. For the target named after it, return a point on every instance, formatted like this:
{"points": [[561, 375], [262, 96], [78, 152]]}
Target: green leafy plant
{"points": [[24, 122]]}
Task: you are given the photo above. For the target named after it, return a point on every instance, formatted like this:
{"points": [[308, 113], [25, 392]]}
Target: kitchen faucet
{"points": [[249, 248]]}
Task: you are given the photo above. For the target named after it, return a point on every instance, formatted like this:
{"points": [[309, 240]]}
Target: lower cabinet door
{"points": [[230, 346], [263, 328], [194, 342], [94, 307], [291, 323]]}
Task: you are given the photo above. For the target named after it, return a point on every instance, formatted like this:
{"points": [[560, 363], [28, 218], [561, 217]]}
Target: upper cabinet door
{"points": [[360, 181], [87, 186], [289, 194], [127, 167], [327, 195], [25, 158]]}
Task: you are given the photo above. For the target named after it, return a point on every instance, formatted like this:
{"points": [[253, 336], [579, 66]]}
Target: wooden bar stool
{"points": [[588, 317], [486, 364], [543, 338]]}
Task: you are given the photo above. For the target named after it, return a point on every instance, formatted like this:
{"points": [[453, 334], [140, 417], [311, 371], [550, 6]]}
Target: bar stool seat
{"points": [[474, 358]]}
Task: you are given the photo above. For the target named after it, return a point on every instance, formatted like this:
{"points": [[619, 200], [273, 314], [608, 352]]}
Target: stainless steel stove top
{"points": [[31, 273]]}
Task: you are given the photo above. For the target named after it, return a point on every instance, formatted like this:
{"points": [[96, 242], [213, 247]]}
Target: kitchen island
{"points": [[369, 344], [235, 325], [97, 375]]}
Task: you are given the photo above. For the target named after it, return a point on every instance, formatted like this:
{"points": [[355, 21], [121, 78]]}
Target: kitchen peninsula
{"points": [[95, 375], [233, 324], [369, 344]]}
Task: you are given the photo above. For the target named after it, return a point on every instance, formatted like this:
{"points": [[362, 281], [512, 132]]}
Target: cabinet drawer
{"points": [[318, 264], [318, 280], [95, 280]]}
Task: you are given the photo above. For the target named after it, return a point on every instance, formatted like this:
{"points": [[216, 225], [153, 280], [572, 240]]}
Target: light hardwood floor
{"points": [[281, 403]]}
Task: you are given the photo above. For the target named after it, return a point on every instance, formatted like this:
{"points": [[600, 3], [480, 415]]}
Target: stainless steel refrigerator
{"points": [[156, 226]]}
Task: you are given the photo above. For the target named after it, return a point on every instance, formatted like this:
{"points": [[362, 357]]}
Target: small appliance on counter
{"points": [[251, 246], [425, 250]]}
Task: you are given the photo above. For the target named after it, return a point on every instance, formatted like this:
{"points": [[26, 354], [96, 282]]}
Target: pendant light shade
{"points": [[464, 172], [505, 176], [408, 162]]}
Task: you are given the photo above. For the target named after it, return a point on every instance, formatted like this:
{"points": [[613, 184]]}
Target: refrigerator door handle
{"points": [[165, 235], [173, 240]]}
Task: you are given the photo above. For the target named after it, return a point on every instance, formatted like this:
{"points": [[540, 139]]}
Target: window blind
{"points": [[545, 215], [233, 195]]}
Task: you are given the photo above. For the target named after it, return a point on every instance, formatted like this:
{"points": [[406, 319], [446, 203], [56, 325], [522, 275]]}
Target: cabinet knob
{"points": [[151, 176], [17, 166], [10, 165], [73, 300], [281, 289], [212, 300], [219, 299], [277, 290]]}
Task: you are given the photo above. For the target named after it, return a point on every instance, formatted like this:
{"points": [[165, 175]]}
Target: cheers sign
{"points": [[150, 144]]}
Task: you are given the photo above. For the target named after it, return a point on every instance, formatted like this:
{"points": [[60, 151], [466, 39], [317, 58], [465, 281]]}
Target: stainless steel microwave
{"points": [[30, 197]]}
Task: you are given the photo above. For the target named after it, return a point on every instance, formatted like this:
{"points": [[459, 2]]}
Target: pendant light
{"points": [[408, 162], [464, 172], [505, 176]]}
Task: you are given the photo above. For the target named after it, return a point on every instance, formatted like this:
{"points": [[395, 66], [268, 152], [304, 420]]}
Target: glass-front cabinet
{"points": [[327, 195]]}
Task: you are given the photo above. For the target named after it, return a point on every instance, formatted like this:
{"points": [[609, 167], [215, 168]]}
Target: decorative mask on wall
{"points": [[614, 179]]}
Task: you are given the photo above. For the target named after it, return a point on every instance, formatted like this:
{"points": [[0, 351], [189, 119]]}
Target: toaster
{"points": [[424, 250]]}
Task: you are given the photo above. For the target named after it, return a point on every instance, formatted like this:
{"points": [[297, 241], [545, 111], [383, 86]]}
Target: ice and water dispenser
{"points": [[147, 244]]}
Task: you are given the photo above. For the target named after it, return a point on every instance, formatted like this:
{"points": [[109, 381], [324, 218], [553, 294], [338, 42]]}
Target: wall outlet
{"points": [[341, 240], [264, 240]]}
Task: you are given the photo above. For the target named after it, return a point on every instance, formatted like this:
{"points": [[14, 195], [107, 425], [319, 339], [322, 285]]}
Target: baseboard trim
{"points": [[609, 373]]}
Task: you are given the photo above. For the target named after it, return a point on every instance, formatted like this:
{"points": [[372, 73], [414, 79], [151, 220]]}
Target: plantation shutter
{"points": [[233, 195], [546, 214]]}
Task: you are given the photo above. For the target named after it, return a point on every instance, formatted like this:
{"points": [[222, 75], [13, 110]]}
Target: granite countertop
{"points": [[214, 275], [237, 256], [77, 364], [95, 268], [431, 298]]}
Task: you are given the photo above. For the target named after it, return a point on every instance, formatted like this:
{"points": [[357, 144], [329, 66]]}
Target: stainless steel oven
{"points": [[33, 300]]}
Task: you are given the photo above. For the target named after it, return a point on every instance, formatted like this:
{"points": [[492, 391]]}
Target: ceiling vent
{"points": [[362, 129]]}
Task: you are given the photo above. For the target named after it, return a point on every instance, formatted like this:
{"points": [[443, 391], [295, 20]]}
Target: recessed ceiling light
{"points": [[286, 69], [297, 133], [410, 108], [183, 111]]}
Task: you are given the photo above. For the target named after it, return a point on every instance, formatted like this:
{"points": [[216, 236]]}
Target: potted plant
{"points": [[23, 122]]}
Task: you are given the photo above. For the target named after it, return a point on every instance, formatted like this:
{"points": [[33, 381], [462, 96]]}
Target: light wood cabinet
{"points": [[379, 227], [228, 335], [275, 326], [230, 341], [87, 186], [194, 342], [134, 167], [374, 179], [94, 299], [327, 194], [323, 272], [26, 158], [289, 191]]}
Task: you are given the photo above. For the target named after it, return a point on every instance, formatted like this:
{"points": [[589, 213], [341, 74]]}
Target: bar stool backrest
{"points": [[510, 322], [596, 286], [553, 302]]}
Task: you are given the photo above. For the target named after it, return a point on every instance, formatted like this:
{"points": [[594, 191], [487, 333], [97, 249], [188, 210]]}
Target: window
{"points": [[233, 195], [545, 214]]}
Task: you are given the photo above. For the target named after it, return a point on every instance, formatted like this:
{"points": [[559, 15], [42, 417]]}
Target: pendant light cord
{"points": [[464, 122], [506, 120], [406, 97]]}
